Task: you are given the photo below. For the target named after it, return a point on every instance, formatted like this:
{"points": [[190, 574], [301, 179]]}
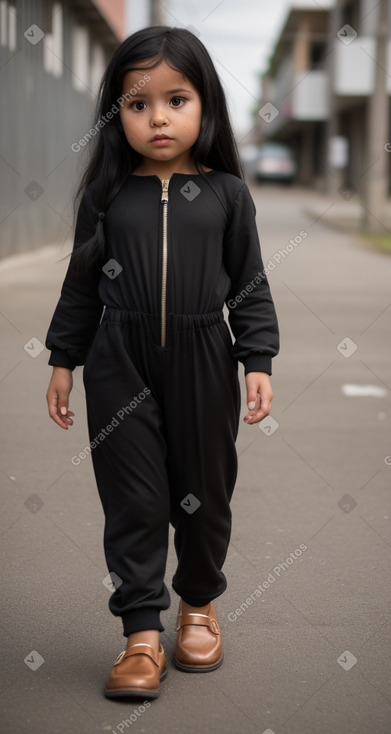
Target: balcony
{"points": [[310, 96], [297, 96], [355, 67]]}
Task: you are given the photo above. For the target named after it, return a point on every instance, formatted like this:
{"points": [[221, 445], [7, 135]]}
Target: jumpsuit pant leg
{"points": [[162, 424], [201, 420]]}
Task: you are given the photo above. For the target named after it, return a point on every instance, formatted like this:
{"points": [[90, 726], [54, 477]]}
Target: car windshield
{"points": [[274, 151]]}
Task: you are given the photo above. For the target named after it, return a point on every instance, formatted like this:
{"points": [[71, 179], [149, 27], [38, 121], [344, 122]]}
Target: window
{"points": [[8, 25], [97, 67], [317, 55], [351, 14], [53, 42], [80, 58]]}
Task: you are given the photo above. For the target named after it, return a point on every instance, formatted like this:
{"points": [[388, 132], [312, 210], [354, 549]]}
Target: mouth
{"points": [[160, 141], [160, 137]]}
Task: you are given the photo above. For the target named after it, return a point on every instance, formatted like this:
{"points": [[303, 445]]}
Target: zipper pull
{"points": [[165, 183]]}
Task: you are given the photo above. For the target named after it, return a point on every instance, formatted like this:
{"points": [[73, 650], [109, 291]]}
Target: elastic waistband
{"points": [[176, 321]]}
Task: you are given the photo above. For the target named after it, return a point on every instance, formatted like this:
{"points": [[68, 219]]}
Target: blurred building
{"points": [[52, 56], [322, 65]]}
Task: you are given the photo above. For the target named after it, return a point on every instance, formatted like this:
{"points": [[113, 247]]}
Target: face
{"points": [[167, 106]]}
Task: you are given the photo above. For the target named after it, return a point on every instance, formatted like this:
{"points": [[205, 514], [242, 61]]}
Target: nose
{"points": [[158, 116]]}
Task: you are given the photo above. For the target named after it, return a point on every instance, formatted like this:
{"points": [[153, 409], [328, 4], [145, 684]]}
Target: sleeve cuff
{"points": [[59, 358], [258, 363]]}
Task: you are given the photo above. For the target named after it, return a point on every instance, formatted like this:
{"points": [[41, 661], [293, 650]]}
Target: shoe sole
{"points": [[197, 669], [135, 692]]}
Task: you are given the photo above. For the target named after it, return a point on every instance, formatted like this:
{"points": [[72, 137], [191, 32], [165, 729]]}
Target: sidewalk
{"points": [[306, 616], [345, 214]]}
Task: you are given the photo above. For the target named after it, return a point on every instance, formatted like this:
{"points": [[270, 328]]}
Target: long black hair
{"points": [[111, 157]]}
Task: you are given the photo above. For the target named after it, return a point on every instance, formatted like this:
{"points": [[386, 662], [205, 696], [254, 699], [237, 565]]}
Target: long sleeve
{"points": [[79, 308], [252, 316]]}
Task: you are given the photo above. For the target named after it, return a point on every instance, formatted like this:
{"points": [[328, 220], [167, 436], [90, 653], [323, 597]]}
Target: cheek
{"points": [[196, 127], [198, 117], [128, 125], [133, 135], [122, 119]]}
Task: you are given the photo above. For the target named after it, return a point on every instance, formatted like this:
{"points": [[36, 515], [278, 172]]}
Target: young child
{"points": [[165, 235]]}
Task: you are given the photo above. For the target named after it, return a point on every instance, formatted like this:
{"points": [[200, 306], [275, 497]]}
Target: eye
{"points": [[177, 99], [134, 105]]}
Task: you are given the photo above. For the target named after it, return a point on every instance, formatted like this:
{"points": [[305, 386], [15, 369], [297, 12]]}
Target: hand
{"points": [[259, 396], [57, 396]]}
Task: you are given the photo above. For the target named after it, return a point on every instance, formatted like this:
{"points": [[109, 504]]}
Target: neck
{"points": [[166, 169]]}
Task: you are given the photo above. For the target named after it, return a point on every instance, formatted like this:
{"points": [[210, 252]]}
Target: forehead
{"points": [[161, 78]]}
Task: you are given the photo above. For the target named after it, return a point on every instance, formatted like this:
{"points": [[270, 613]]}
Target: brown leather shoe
{"points": [[137, 672], [199, 646]]}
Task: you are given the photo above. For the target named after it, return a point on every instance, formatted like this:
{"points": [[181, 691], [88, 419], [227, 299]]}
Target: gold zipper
{"points": [[164, 200]]}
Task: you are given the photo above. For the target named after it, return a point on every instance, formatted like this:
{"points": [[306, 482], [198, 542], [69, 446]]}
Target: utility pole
{"points": [[376, 179], [157, 13], [333, 179]]}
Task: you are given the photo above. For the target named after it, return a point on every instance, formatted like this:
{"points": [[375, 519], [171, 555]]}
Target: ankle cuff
{"points": [[141, 619]]}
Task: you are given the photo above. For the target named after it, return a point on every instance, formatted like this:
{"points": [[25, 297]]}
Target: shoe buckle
{"points": [[214, 626], [119, 658], [192, 614]]}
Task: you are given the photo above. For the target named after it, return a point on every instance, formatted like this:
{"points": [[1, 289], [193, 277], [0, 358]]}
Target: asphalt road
{"points": [[306, 616]]}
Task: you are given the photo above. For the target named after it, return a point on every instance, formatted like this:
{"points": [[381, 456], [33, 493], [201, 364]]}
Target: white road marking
{"points": [[373, 391]]}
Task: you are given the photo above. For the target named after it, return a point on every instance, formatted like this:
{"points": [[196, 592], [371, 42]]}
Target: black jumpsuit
{"points": [[161, 376]]}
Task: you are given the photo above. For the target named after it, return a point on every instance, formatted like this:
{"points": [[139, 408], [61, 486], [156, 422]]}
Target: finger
{"points": [[253, 402], [52, 400], [60, 421], [253, 398], [66, 417], [259, 414]]}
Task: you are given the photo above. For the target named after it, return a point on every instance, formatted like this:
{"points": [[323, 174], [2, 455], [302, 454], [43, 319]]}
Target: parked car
{"points": [[249, 159], [275, 162]]}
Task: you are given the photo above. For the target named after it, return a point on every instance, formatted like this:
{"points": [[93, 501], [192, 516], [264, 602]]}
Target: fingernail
{"points": [[63, 411], [251, 406]]}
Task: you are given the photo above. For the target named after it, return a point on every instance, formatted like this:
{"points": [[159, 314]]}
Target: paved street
{"points": [[309, 651]]}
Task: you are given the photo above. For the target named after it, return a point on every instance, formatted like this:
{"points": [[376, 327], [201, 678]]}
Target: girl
{"points": [[165, 235]]}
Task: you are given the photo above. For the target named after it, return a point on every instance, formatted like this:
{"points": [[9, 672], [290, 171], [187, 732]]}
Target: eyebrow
{"points": [[170, 91]]}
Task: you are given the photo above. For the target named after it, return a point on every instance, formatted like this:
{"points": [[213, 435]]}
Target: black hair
{"points": [[112, 159]]}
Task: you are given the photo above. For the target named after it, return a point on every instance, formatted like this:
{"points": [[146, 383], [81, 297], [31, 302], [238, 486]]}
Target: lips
{"points": [[161, 137]]}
